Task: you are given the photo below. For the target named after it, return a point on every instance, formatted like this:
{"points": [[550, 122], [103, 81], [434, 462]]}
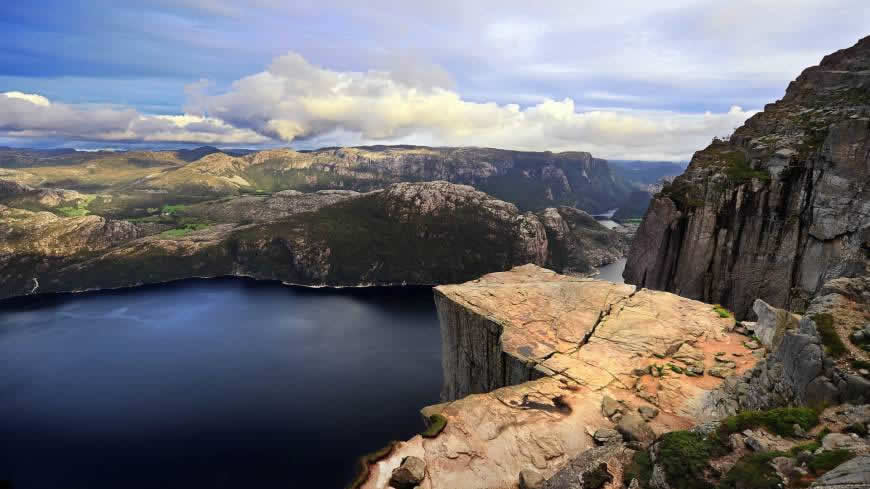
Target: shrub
{"points": [[826, 461], [721, 311], [685, 457], [830, 338], [753, 472], [437, 423], [640, 468], [780, 421]]}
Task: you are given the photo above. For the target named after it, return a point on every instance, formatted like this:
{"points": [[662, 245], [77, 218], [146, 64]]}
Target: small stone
{"points": [[648, 412], [409, 474], [720, 372], [609, 406], [606, 435], [658, 355], [755, 444], [720, 353], [640, 372], [529, 479], [736, 354], [864, 372], [723, 360], [752, 345]]}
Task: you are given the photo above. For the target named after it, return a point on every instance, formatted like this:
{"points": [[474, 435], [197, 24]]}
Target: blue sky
{"points": [[623, 79]]}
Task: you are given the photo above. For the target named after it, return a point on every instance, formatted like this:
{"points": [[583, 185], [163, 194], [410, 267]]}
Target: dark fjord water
{"points": [[211, 384], [612, 272]]}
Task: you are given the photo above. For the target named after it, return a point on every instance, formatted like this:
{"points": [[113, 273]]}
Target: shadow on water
{"points": [[211, 383]]}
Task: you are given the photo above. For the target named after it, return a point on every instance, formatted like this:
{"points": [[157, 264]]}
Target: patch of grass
{"points": [[80, 209], [685, 457], [173, 209], [858, 363], [858, 428], [738, 168], [721, 311], [826, 461], [640, 468], [72, 211], [182, 231], [831, 340], [753, 472], [436, 424], [809, 447], [780, 421]]}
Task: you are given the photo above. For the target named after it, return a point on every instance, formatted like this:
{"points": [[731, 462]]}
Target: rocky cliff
{"points": [[778, 209], [542, 368], [409, 233]]}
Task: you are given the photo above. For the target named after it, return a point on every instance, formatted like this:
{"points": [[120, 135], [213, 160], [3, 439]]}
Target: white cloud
{"points": [[30, 97], [33, 116], [294, 100]]}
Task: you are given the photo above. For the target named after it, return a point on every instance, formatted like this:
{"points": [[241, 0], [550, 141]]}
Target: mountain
{"points": [[646, 172], [408, 233], [776, 210], [531, 180]]}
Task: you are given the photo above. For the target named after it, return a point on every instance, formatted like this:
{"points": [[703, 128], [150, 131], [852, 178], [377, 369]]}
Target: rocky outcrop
{"points": [[539, 368], [800, 368], [577, 242], [853, 474], [776, 211], [420, 233]]}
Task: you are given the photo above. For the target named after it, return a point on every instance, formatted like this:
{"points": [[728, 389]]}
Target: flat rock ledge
{"points": [[529, 357]]}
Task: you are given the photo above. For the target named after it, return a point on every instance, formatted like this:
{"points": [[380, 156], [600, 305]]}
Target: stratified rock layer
{"points": [[776, 211], [531, 355]]}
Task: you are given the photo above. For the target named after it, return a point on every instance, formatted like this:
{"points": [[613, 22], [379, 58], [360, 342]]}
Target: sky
{"points": [[626, 79]]}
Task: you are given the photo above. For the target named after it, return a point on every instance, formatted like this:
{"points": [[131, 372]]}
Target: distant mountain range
{"points": [[531, 180]]}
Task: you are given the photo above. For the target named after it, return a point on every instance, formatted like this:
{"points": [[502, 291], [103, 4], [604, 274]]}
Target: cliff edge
{"points": [[778, 209]]}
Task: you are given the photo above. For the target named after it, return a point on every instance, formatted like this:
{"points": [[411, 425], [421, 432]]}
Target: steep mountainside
{"points": [[777, 210], [416, 233]]}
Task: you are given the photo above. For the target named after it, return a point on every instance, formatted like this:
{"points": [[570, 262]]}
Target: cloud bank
{"points": [[296, 102]]}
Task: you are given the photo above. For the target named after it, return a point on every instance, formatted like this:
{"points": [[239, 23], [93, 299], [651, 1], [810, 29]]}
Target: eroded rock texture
{"points": [[780, 208], [540, 368]]}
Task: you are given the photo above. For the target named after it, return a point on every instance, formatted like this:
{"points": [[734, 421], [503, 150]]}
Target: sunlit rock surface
{"points": [[529, 356]]}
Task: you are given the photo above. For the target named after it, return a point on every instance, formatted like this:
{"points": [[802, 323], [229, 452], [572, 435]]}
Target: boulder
{"points": [[648, 412], [853, 474], [610, 406], [634, 428], [409, 474], [606, 435]]}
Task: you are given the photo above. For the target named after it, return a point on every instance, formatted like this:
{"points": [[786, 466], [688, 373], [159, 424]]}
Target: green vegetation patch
{"points": [[437, 423], [721, 311], [780, 421], [182, 231], [685, 457], [80, 209], [738, 168], [753, 471], [831, 340], [173, 209], [826, 461], [640, 468]]}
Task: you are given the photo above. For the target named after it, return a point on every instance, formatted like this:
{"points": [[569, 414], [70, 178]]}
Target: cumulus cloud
{"points": [[33, 116], [294, 100]]}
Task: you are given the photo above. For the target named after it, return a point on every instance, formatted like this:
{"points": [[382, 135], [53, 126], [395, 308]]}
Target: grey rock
{"points": [[606, 435], [756, 444], [634, 428], [853, 474], [610, 406], [837, 441], [648, 412], [409, 474], [530, 479]]}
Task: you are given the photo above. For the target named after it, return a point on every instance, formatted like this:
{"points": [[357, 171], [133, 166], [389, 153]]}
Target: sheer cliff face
{"points": [[780, 208]]}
